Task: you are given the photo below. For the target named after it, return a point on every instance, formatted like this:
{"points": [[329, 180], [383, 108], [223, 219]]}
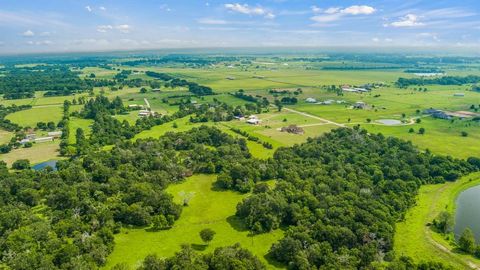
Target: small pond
{"points": [[467, 213], [389, 122], [43, 165]]}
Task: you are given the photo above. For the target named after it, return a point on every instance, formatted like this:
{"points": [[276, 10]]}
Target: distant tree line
{"points": [[195, 88], [444, 80]]}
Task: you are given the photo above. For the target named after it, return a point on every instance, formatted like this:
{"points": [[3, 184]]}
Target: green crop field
{"points": [[207, 209]]}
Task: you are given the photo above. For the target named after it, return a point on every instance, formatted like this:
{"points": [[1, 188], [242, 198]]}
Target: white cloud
{"points": [[409, 20], [316, 9], [336, 13], [211, 21], [246, 9], [358, 10], [124, 28], [104, 28], [88, 8], [332, 10], [375, 39], [40, 43], [28, 33], [102, 8]]}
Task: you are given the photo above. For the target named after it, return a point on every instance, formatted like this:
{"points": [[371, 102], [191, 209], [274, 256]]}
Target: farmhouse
{"points": [[310, 100], [459, 94], [348, 88], [230, 78], [327, 102], [146, 113], [462, 114], [360, 105], [31, 136], [43, 139], [55, 134], [253, 120], [437, 113], [24, 141]]}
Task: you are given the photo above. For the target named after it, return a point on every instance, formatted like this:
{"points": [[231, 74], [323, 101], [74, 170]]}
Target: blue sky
{"points": [[78, 25]]}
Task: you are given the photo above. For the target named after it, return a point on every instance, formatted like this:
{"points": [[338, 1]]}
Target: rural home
{"points": [[310, 100], [360, 105], [253, 120], [43, 139], [55, 134]]}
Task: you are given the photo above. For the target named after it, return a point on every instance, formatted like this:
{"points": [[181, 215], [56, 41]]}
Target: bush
{"points": [[21, 164], [207, 235]]}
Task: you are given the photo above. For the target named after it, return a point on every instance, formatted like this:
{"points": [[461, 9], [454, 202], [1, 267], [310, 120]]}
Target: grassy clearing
{"points": [[5, 136], [207, 209], [76, 123], [34, 115], [40, 152], [415, 239]]}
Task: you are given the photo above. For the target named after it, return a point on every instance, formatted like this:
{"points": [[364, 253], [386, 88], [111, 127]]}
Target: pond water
{"points": [[43, 165], [467, 214], [389, 122], [428, 74]]}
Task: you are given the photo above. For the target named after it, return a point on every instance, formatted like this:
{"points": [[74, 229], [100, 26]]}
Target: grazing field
{"points": [[415, 239], [39, 152], [5, 136], [30, 117], [208, 208]]}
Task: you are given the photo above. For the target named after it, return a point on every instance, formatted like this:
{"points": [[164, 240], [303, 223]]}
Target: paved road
{"points": [[315, 117]]}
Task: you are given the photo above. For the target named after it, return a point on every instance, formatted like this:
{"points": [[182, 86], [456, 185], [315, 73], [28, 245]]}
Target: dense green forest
{"points": [[337, 196]]}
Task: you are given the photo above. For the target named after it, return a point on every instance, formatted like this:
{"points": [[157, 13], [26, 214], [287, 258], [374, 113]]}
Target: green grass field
{"points": [[76, 123], [415, 239], [39, 152], [30, 117], [5, 136], [207, 209]]}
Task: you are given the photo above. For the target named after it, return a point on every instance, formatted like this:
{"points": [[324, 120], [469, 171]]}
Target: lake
{"points": [[467, 214], [43, 165]]}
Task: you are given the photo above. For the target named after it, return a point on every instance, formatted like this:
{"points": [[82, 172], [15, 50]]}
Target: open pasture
{"points": [[30, 117], [39, 152], [208, 208]]}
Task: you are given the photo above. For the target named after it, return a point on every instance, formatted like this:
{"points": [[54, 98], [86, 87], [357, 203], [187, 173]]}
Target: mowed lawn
{"points": [[207, 209], [30, 117], [415, 239]]}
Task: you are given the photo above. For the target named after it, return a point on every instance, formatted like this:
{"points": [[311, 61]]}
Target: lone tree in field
{"points": [[207, 235], [421, 131], [466, 242]]}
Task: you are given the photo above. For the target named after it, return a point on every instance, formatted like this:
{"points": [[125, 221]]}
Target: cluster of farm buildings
{"points": [[435, 113], [32, 137]]}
